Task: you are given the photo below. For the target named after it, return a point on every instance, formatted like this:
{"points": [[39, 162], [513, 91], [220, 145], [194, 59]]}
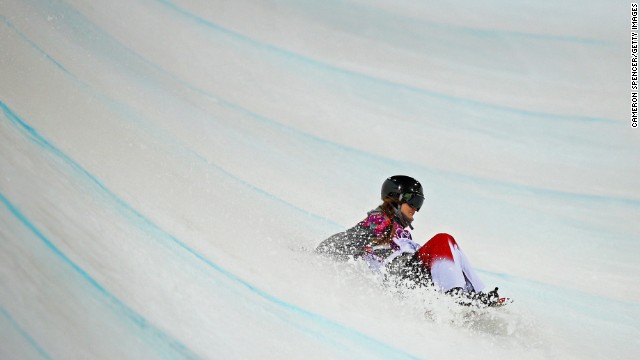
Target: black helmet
{"points": [[404, 189]]}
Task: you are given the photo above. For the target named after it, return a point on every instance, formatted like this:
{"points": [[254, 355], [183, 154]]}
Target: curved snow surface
{"points": [[167, 167]]}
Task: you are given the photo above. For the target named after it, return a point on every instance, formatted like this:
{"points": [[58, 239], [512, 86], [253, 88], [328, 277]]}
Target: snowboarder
{"points": [[383, 241]]}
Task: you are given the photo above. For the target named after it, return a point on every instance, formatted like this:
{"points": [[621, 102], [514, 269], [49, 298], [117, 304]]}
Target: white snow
{"points": [[167, 167]]}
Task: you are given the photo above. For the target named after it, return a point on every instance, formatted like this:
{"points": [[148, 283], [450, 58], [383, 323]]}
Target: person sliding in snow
{"points": [[383, 241]]}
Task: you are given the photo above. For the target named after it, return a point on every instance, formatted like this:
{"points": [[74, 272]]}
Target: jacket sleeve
{"points": [[351, 243], [346, 244]]}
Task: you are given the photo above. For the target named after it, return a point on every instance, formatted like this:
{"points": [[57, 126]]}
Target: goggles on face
{"points": [[414, 200]]}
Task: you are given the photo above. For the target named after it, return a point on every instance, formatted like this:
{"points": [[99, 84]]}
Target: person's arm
{"points": [[346, 244], [352, 242]]}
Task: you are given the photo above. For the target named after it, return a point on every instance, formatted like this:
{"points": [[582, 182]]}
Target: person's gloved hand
{"points": [[493, 297]]}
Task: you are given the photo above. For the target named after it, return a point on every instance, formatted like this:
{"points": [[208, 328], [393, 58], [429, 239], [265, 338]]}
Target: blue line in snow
{"points": [[38, 139], [274, 123], [34, 344], [130, 313], [32, 44], [367, 9], [201, 158], [456, 100], [486, 181]]}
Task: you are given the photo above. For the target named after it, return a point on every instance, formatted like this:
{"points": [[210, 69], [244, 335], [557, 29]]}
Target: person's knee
{"points": [[442, 237]]}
